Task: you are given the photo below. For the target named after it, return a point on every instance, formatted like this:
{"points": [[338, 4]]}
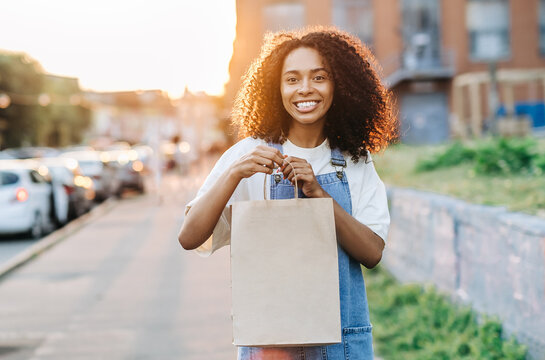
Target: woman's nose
{"points": [[305, 87]]}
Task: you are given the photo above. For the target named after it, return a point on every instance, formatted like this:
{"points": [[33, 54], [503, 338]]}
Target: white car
{"points": [[73, 193], [25, 199]]}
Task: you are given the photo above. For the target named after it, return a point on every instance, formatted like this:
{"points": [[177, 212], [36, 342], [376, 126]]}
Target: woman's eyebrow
{"points": [[295, 72], [319, 69]]}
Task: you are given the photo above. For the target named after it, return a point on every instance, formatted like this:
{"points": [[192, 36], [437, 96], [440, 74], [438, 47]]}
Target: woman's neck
{"points": [[306, 136]]}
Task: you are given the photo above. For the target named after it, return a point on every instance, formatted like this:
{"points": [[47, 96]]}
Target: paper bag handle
{"points": [[296, 188]]}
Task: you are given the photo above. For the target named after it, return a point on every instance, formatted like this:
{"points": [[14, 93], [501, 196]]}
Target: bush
{"points": [[539, 163], [453, 155], [499, 156], [505, 156], [412, 322]]}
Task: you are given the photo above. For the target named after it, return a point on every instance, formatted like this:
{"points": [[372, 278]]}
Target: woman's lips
{"points": [[306, 106]]}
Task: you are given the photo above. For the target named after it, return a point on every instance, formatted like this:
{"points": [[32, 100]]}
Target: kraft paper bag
{"points": [[284, 271]]}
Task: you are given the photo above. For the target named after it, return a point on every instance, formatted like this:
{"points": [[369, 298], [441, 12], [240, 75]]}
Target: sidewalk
{"points": [[121, 288]]}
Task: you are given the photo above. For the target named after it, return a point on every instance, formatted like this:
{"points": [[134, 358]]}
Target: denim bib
{"points": [[356, 328]]}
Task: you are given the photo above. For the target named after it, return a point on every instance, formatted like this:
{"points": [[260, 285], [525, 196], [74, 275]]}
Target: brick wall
{"points": [[484, 256]]}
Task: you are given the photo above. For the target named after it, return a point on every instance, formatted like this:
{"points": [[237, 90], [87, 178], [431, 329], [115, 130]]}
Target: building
{"points": [[423, 46], [201, 122], [152, 117], [132, 116]]}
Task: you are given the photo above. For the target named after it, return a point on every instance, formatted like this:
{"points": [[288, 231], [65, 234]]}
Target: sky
{"points": [[113, 45]]}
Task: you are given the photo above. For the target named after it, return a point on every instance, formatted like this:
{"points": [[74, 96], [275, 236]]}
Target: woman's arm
{"points": [[357, 239], [203, 216]]}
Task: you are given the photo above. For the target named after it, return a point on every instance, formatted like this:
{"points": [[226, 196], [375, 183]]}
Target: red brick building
{"points": [[422, 46]]}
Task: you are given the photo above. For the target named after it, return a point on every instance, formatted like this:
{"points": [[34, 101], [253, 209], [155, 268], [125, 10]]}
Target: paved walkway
{"points": [[121, 288]]}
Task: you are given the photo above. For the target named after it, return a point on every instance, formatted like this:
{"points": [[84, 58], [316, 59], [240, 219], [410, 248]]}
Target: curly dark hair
{"points": [[361, 116]]}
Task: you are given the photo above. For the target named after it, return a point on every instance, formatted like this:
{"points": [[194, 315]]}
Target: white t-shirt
{"points": [[369, 203]]}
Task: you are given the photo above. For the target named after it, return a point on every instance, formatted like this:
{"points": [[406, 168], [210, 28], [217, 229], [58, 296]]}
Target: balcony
{"points": [[415, 65]]}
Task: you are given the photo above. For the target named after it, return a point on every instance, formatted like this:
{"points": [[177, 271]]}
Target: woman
{"points": [[311, 104]]}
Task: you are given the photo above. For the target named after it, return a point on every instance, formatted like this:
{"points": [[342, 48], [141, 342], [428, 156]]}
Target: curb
{"points": [[56, 236]]}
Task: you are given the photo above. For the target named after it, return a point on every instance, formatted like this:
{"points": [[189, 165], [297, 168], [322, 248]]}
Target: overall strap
{"points": [[277, 177], [337, 158], [338, 162]]}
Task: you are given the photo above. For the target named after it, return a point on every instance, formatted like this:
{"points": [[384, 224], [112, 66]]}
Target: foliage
{"points": [[539, 162], [412, 322], [505, 156], [453, 155], [494, 156], [517, 190], [21, 75], [24, 122]]}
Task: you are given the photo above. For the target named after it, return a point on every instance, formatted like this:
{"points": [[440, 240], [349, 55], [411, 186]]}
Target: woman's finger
{"points": [[291, 159], [298, 166], [263, 161], [255, 168], [300, 173], [270, 153]]}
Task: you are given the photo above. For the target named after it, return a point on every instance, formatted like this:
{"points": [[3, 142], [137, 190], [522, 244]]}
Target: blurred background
{"points": [[130, 100]]}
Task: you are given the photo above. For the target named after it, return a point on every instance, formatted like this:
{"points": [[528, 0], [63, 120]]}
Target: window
{"points": [[420, 29], [542, 27], [36, 177], [356, 17], [8, 178], [283, 16], [488, 26]]}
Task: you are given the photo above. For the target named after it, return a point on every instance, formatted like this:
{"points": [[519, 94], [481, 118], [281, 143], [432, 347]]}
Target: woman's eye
{"points": [[291, 80], [319, 78]]}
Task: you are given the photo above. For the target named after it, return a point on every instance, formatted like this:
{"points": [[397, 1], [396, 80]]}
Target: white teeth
{"points": [[306, 104]]}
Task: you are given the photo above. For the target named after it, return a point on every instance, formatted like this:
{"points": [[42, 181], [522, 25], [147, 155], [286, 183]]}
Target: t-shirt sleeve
{"points": [[371, 204], [221, 235]]}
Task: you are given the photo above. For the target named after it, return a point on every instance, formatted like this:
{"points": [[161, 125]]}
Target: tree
{"points": [[45, 109], [22, 79]]}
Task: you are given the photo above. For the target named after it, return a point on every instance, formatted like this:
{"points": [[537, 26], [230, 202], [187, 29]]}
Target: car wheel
{"points": [[37, 229]]}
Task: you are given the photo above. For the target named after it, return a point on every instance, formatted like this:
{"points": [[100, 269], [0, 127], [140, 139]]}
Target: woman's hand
{"points": [[200, 221], [306, 179], [261, 159]]}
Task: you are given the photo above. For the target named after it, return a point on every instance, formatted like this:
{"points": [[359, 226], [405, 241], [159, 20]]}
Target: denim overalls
{"points": [[356, 327]]}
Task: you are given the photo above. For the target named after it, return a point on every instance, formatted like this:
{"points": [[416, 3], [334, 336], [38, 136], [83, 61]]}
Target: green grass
{"points": [[518, 192], [411, 322]]}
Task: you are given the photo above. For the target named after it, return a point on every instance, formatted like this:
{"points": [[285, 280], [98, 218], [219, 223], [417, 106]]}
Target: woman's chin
{"points": [[308, 121]]}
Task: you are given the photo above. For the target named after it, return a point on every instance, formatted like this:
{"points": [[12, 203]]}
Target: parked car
{"points": [[25, 199], [145, 155], [103, 174], [4, 155], [59, 196], [128, 168], [78, 148], [30, 152], [79, 188]]}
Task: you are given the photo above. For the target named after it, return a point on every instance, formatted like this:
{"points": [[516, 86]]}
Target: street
{"points": [[11, 246], [122, 288]]}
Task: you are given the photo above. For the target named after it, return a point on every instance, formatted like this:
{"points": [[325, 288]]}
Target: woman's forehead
{"points": [[303, 58]]}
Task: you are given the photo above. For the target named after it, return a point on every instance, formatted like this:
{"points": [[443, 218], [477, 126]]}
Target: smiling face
{"points": [[306, 86]]}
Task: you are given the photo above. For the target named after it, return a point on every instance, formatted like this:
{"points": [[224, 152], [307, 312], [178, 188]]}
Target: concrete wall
{"points": [[484, 256]]}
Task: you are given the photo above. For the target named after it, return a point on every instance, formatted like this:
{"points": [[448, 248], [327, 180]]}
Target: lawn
{"points": [[413, 322], [522, 191]]}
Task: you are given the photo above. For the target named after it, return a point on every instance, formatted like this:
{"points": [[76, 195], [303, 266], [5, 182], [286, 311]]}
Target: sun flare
{"points": [[126, 44]]}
